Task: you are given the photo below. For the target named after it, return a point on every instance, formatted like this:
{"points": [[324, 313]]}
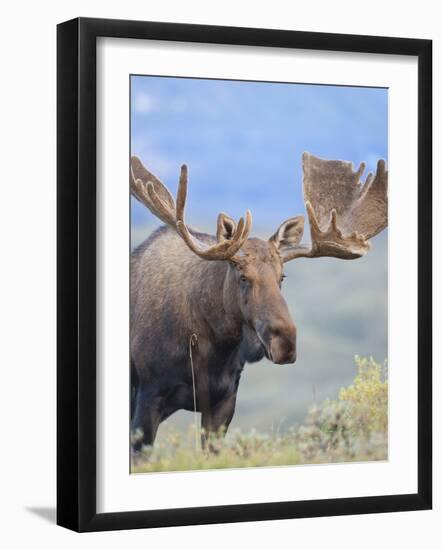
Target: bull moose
{"points": [[202, 306]]}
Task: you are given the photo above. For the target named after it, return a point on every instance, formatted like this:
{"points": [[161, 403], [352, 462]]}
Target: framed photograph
{"points": [[244, 294]]}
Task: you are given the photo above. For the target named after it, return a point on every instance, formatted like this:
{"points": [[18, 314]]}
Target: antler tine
{"points": [[181, 193]]}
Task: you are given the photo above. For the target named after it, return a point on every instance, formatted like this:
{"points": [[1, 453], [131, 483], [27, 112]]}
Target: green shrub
{"points": [[368, 395]]}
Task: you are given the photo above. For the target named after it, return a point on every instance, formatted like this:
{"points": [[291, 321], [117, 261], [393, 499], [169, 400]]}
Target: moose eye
{"points": [[282, 277], [243, 278]]}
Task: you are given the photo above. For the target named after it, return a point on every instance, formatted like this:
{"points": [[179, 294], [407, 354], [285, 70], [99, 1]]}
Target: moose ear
{"points": [[226, 227], [289, 234]]}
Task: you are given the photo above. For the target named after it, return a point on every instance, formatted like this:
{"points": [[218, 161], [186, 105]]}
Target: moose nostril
{"points": [[282, 350], [279, 339], [283, 344]]}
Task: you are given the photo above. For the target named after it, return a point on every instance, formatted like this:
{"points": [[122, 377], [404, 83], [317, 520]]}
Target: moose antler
{"points": [[153, 194], [342, 213]]}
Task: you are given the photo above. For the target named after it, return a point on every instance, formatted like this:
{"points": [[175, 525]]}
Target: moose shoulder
{"points": [[216, 301]]}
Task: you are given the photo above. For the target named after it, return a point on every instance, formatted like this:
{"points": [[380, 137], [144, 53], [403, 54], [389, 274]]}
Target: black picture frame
{"points": [[76, 273]]}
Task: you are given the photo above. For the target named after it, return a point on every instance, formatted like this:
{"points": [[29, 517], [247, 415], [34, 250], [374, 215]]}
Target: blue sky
{"points": [[243, 141]]}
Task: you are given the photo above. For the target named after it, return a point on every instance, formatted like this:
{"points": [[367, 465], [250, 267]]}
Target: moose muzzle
{"points": [[279, 341]]}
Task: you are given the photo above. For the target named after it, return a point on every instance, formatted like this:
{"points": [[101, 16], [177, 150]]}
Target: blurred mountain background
{"points": [[243, 142]]}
